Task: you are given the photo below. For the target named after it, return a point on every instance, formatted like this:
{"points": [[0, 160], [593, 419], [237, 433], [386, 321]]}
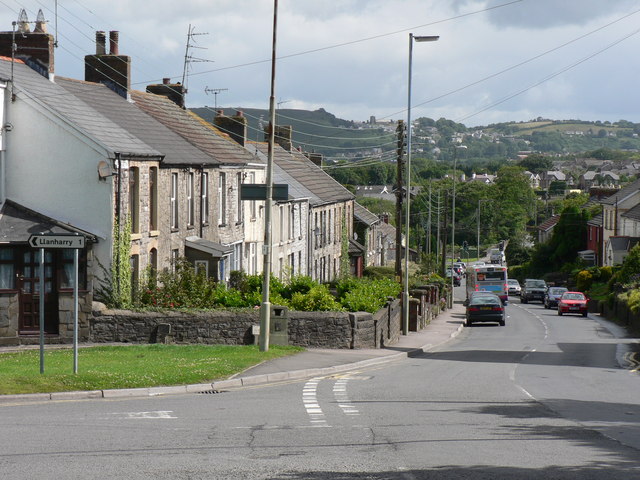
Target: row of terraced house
{"points": [[94, 156]]}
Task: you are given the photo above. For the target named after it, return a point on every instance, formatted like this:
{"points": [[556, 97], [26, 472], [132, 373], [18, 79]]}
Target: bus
{"points": [[492, 278]]}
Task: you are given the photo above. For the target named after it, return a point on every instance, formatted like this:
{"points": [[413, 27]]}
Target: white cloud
{"points": [[356, 65]]}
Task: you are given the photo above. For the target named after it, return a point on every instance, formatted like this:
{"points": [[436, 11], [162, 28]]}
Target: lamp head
{"points": [[426, 38]]}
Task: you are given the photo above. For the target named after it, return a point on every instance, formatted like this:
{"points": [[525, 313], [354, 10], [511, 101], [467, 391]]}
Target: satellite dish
{"points": [[104, 169], [355, 236]]}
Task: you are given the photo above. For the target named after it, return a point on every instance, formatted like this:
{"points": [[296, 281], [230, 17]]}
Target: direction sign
{"points": [[57, 240]]}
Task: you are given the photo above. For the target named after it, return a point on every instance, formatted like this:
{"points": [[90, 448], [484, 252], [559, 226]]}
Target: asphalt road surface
{"points": [[542, 398]]}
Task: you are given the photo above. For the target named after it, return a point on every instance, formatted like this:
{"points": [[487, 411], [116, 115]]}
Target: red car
{"points": [[573, 302]]}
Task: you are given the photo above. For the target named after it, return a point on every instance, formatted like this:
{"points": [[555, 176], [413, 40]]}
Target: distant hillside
{"points": [[314, 131], [322, 132]]}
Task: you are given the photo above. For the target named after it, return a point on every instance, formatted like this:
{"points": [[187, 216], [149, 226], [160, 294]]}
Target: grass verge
{"points": [[130, 366]]}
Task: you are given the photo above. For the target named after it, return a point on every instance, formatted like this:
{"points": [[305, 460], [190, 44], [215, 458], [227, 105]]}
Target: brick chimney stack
{"points": [[112, 69], [282, 136], [235, 126], [34, 48], [173, 91]]}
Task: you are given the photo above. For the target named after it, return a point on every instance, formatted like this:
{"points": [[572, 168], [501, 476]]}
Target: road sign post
{"points": [[61, 240]]}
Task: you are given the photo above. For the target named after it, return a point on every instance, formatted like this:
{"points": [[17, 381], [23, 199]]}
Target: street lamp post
{"points": [[453, 215], [480, 200], [405, 296]]}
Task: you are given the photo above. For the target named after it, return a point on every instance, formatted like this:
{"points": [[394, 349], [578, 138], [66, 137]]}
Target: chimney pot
{"points": [[100, 43], [239, 113], [220, 113], [113, 42], [166, 81]]}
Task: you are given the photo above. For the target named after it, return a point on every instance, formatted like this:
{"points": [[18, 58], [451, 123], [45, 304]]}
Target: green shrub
{"points": [[633, 300], [584, 279], [317, 299], [605, 273], [369, 295], [379, 272]]}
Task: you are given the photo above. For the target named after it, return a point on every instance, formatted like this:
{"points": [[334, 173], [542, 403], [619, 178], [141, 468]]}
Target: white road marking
{"points": [[311, 405], [156, 414], [340, 394]]}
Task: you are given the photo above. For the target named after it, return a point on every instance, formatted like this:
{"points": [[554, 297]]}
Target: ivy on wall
{"points": [[120, 265], [344, 252]]}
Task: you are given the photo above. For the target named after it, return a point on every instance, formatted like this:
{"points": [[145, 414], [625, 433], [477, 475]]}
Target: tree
{"points": [[512, 198], [536, 163]]}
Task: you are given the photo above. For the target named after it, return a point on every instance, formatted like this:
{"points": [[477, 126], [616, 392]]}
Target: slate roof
{"points": [[364, 215], [192, 128], [18, 223], [622, 194], [53, 97], [596, 220], [324, 187], [297, 191], [131, 118], [549, 223], [388, 231], [633, 213], [623, 244]]}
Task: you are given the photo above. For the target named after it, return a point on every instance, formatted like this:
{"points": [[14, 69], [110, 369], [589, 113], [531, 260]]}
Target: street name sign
{"points": [[47, 240]]}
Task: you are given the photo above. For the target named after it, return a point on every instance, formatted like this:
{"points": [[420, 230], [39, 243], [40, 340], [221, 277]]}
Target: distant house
{"points": [[594, 238], [613, 207], [548, 177], [545, 229], [617, 249], [534, 179], [482, 178]]}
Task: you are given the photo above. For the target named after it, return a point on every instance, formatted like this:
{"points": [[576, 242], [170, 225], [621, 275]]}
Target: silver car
{"points": [[513, 286]]}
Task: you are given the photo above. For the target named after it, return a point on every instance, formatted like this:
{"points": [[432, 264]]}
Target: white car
{"points": [[513, 286]]}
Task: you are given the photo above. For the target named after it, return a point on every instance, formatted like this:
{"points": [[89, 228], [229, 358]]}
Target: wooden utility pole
{"points": [[399, 194]]}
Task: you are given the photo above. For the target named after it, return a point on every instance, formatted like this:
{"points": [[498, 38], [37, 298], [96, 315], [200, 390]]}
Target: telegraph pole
{"points": [[400, 131]]}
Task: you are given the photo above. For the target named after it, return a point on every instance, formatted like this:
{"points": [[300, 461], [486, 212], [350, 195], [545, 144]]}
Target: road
{"points": [[541, 398]]}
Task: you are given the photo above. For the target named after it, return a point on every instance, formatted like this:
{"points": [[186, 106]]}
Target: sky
{"points": [[495, 60]]}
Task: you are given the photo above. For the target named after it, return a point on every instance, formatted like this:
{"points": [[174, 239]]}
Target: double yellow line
{"points": [[633, 360]]}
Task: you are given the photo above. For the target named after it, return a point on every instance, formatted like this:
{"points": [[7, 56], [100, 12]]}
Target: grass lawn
{"points": [[129, 366]]}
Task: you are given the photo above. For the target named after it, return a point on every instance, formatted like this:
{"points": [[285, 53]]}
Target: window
{"points": [[253, 258], [252, 204], [191, 213], [237, 260], [202, 266], [174, 200], [292, 221], [283, 219], [66, 272], [240, 212], [153, 198], [153, 260], [204, 201], [222, 199], [134, 199], [175, 254], [7, 276], [134, 260], [329, 225]]}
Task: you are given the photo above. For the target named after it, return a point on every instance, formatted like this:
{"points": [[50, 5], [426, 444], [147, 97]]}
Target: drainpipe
{"points": [[118, 220], [3, 177], [201, 229]]}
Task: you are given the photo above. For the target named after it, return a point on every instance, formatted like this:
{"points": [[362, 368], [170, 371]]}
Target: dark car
{"points": [[573, 302], [533, 289], [457, 279], [485, 308], [552, 296]]}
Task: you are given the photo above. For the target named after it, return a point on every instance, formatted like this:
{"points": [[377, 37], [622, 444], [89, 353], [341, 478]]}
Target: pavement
{"points": [[309, 363]]}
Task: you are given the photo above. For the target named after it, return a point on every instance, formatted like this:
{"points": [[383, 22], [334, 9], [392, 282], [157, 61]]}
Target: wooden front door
{"points": [[28, 284]]}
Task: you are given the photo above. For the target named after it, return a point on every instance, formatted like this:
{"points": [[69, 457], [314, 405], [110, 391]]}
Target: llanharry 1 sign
{"points": [[48, 240]]}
